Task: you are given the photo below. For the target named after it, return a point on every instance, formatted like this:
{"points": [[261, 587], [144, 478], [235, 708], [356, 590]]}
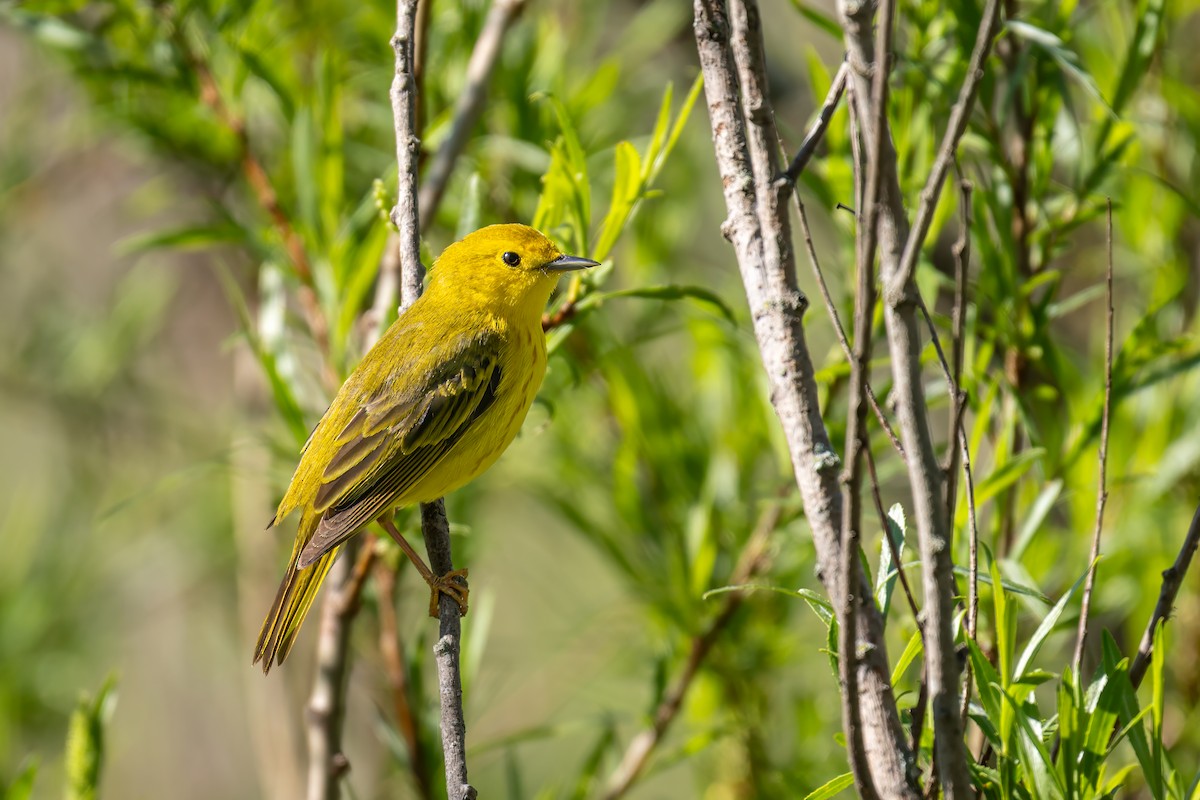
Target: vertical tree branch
{"points": [[436, 531], [777, 306], [1102, 478], [470, 104], [434, 527], [955, 129], [901, 304], [405, 215], [856, 438]]}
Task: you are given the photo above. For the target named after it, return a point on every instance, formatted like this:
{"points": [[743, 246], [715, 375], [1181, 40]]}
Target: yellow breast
{"points": [[522, 365]]}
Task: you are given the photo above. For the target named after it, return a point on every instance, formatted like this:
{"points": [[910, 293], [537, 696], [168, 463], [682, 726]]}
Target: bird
{"points": [[429, 408]]}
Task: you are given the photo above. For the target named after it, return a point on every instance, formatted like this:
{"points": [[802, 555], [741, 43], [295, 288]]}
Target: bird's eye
{"points": [[511, 258]]}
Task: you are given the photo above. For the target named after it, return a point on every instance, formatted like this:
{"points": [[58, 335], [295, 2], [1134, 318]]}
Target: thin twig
{"points": [[831, 309], [1102, 478], [817, 131], [469, 106], [1172, 580], [962, 259], [392, 651], [326, 705], [955, 129], [436, 531], [752, 562], [958, 445]]}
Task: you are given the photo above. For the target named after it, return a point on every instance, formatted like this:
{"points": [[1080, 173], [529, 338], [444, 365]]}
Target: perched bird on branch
{"points": [[431, 406]]}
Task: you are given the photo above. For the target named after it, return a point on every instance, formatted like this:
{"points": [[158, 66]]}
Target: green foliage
{"points": [[85, 741], [654, 454]]}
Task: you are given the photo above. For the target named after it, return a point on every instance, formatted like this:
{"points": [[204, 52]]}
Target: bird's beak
{"points": [[571, 263]]}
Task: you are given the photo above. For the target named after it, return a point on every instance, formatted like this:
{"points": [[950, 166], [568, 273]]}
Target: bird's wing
{"points": [[394, 440]]}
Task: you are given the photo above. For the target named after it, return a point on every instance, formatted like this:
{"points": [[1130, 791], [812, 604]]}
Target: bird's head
{"points": [[513, 265]]}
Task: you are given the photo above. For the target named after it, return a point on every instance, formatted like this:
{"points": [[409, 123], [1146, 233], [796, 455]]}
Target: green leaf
{"points": [[1047, 625], [913, 649], [627, 188], [1064, 56], [986, 679], [84, 758], [820, 19], [1011, 471], [263, 71], [187, 237], [1149, 16], [1006, 626], [1035, 517], [831, 788], [22, 786], [885, 581]]}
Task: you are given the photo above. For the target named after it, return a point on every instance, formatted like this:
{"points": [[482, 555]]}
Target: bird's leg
{"points": [[453, 584]]}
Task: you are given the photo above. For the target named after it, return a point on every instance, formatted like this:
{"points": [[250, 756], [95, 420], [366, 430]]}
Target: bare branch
{"points": [[469, 105], [820, 124], [326, 704], [758, 229], [1102, 478], [925, 475], [436, 531], [856, 437], [1172, 579], [405, 215], [751, 563], [823, 287], [955, 129]]}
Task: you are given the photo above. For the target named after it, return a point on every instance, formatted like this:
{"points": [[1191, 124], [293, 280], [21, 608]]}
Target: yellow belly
{"points": [[523, 365]]}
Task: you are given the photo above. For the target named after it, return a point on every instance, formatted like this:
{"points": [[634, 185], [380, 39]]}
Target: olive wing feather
{"points": [[392, 442]]}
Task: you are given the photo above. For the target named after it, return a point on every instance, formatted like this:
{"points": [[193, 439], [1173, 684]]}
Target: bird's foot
{"points": [[454, 585]]}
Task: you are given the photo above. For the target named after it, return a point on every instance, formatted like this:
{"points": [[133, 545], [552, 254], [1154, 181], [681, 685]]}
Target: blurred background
{"points": [[157, 377]]}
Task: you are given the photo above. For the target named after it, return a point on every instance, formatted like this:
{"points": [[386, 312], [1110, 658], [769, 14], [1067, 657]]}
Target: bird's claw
{"points": [[454, 585]]}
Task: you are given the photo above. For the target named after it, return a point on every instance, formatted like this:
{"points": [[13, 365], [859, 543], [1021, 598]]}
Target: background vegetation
{"points": [[158, 370]]}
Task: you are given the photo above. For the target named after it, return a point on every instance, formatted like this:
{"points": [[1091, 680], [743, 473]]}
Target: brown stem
{"points": [[957, 126], [1172, 580], [1102, 478], [856, 439], [745, 144], [392, 651], [820, 124]]}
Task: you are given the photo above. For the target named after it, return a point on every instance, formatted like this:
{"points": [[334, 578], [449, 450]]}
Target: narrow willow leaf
{"points": [[831, 788]]}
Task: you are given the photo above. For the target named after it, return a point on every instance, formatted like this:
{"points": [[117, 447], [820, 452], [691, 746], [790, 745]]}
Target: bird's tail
{"points": [[292, 602]]}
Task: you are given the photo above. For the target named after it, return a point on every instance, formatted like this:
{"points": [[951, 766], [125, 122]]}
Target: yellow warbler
{"points": [[432, 405]]}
